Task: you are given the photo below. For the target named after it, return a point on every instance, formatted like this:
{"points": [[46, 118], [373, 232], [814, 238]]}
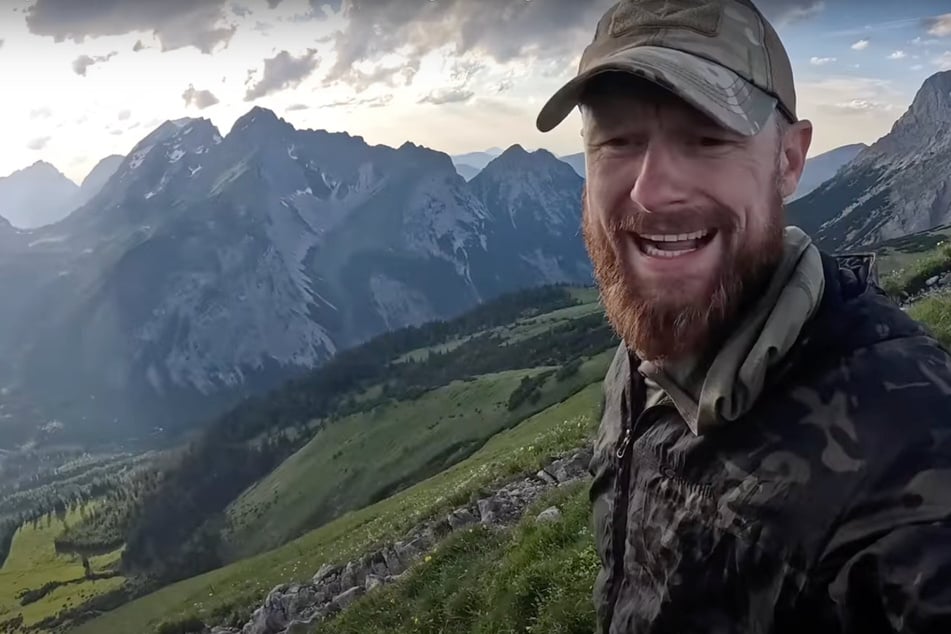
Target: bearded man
{"points": [[775, 444]]}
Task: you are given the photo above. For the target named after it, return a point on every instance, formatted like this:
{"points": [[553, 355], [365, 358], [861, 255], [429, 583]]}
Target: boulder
{"points": [[342, 601], [460, 518], [551, 514], [325, 572]]}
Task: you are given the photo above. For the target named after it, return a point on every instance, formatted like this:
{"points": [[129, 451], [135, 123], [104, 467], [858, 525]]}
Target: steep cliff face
{"points": [[899, 185]]}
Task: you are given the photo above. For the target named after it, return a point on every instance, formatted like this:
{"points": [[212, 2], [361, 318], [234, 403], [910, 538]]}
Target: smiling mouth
{"points": [[672, 245]]}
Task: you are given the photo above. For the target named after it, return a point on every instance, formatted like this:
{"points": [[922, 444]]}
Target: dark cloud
{"points": [[273, 3], [82, 63], [501, 29], [387, 75], [298, 106], [38, 143], [240, 10], [448, 95], [200, 98], [124, 114], [138, 46], [41, 113], [939, 26], [282, 71], [176, 23]]}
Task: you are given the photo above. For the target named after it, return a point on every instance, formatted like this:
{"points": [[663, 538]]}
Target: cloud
{"points": [[369, 102], [447, 95], [176, 23], [387, 75], [38, 143], [124, 114], [939, 26], [505, 84], [41, 113], [943, 61], [821, 61], [501, 30], [1, 42], [898, 55], [273, 3], [83, 62], [298, 106], [917, 67], [860, 105], [931, 41], [783, 12], [200, 98], [138, 46], [240, 10], [861, 45], [851, 97], [283, 71]]}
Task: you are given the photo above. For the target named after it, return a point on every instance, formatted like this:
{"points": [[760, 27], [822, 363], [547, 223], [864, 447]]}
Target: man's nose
{"points": [[660, 178]]}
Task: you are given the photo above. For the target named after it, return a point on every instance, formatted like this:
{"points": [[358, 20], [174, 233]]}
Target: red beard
{"points": [[658, 330]]}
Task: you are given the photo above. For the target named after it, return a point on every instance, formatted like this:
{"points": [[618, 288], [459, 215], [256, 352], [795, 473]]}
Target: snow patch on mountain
{"points": [[138, 156]]}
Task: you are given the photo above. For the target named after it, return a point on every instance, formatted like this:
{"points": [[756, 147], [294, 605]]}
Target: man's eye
{"points": [[709, 141]]}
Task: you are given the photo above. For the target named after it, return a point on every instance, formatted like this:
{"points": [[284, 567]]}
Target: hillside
{"points": [[408, 441], [229, 594], [418, 400]]}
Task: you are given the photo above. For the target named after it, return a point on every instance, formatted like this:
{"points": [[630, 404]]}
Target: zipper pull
{"points": [[625, 443]]}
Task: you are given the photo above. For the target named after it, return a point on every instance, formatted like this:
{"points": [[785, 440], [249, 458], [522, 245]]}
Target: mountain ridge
{"points": [[896, 186], [212, 265]]}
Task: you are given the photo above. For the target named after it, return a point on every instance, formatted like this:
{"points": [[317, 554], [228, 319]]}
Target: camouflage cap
{"points": [[721, 56]]}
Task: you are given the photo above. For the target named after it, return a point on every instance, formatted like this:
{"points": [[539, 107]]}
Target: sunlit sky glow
{"points": [[79, 85]]}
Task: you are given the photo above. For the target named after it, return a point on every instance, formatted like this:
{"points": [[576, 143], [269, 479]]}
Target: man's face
{"points": [[683, 219]]}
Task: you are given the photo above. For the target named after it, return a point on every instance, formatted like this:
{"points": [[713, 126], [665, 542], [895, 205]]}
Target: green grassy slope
{"points": [[238, 587], [33, 564], [535, 578], [363, 458]]}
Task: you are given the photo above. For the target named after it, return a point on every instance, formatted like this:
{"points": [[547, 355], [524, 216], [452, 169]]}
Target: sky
{"points": [[83, 79]]}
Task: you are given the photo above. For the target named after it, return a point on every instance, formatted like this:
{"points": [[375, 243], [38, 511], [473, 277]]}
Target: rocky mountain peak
{"points": [[926, 123], [932, 103], [517, 160], [260, 120]]}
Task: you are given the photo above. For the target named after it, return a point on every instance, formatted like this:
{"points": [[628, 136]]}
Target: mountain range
{"points": [[212, 266], [41, 195], [204, 267], [898, 185]]}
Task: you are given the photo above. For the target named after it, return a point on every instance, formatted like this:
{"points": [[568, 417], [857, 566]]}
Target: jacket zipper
{"points": [[622, 493]]}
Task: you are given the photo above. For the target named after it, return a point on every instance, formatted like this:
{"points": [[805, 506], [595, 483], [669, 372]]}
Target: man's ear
{"points": [[795, 142]]}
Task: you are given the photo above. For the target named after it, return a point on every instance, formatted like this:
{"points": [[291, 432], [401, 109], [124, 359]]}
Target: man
{"points": [[775, 446]]}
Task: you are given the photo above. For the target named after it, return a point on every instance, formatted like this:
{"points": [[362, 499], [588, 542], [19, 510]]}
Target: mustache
{"points": [[682, 220]]}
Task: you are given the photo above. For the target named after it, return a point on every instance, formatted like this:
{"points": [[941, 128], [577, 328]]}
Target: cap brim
{"points": [[713, 89]]}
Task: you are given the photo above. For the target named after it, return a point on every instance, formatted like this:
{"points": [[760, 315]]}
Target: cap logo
{"points": [[698, 15]]}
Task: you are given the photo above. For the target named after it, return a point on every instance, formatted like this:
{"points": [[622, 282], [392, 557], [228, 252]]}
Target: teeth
{"points": [[661, 253], [677, 237]]}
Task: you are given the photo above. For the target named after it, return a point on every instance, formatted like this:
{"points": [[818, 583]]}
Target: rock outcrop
{"points": [[294, 608]]}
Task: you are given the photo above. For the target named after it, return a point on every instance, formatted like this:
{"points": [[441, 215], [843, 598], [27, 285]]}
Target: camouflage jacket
{"points": [[825, 509]]}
